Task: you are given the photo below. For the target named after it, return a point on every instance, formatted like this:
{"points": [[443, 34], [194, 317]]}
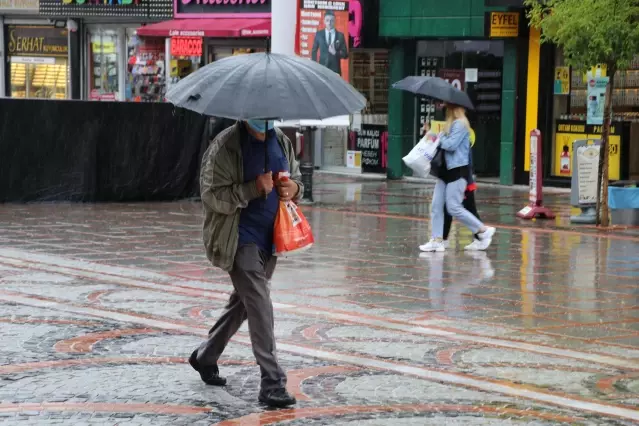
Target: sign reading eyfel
{"points": [[222, 8]]}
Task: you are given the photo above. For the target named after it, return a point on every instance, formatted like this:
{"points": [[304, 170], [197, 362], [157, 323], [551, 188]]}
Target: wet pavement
{"points": [[101, 304]]}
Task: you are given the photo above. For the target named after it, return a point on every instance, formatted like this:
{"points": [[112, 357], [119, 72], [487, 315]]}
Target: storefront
{"points": [[571, 105], [482, 50], [111, 62], [203, 32], [33, 57]]}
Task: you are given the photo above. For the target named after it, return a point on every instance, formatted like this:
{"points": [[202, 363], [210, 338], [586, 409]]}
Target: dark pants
{"points": [[250, 300], [469, 204]]}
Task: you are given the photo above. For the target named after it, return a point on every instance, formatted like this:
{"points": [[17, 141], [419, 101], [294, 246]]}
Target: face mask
{"points": [[258, 125]]}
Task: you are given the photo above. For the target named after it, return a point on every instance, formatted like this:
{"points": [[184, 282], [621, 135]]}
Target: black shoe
{"points": [[277, 398], [209, 375]]}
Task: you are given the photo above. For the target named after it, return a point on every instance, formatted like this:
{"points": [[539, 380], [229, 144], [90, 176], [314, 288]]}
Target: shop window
{"points": [[370, 77], [103, 64], [578, 111], [42, 81], [146, 68]]}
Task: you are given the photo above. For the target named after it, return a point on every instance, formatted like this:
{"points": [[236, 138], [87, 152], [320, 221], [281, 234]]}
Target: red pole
{"points": [[535, 206]]}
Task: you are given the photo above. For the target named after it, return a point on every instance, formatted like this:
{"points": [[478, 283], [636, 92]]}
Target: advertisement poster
{"points": [[562, 81], [587, 170], [372, 142], [596, 99], [324, 34], [567, 132]]}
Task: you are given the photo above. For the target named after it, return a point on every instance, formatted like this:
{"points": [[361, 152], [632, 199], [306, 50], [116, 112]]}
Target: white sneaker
{"points": [[476, 245], [446, 244], [433, 246], [487, 234]]}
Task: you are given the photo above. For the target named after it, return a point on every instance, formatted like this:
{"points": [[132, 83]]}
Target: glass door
{"points": [[475, 66]]}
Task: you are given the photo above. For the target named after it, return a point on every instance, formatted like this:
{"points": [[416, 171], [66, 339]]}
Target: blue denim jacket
{"points": [[456, 145]]}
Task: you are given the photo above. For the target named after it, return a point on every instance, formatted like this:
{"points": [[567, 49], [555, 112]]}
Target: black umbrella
{"points": [[435, 87], [266, 86]]}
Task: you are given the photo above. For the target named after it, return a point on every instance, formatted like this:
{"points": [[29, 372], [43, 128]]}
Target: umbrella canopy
{"points": [[434, 87], [266, 86]]}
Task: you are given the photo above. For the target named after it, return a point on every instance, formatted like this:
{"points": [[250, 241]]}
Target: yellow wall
{"points": [[532, 90]]}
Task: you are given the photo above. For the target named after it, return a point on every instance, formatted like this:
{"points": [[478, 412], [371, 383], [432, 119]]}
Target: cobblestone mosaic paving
{"points": [[101, 305]]}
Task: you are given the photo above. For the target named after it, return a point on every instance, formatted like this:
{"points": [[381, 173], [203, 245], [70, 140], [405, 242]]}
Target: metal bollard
{"points": [[307, 169]]}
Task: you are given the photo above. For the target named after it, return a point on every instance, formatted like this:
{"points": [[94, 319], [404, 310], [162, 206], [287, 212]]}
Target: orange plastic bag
{"points": [[292, 233]]}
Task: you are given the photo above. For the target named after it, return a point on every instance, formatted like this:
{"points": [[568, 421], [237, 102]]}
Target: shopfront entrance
{"points": [[38, 59], [475, 66]]}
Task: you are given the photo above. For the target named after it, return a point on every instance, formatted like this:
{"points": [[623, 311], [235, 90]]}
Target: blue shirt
{"points": [[456, 145], [258, 218]]}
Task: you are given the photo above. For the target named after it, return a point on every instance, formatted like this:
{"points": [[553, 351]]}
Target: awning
{"points": [[214, 27]]}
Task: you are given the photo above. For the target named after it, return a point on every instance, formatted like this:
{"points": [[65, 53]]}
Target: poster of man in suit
{"points": [[324, 34]]}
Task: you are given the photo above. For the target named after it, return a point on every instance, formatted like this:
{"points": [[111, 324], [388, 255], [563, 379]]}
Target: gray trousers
{"points": [[251, 299]]}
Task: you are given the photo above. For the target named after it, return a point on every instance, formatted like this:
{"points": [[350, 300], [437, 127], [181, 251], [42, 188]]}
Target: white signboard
{"points": [[31, 60], [471, 75], [587, 171]]}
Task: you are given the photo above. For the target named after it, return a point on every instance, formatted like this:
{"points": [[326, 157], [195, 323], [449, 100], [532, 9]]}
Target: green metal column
{"points": [[401, 108], [508, 113]]}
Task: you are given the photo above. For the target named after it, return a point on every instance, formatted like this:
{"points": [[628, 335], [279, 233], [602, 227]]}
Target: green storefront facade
{"points": [[454, 32]]}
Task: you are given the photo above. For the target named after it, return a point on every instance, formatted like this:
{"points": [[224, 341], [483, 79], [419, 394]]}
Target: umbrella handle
{"points": [[266, 162]]}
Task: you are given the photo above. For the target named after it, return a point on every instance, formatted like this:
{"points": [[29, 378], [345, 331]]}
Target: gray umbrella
{"points": [[266, 86], [435, 87]]}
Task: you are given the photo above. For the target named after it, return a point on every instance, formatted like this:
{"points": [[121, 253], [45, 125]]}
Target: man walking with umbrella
{"points": [[236, 185]]}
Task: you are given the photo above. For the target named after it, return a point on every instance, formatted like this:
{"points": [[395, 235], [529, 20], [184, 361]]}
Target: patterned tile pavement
{"points": [[101, 304]]}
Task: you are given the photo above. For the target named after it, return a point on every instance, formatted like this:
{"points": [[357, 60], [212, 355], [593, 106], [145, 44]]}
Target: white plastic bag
{"points": [[419, 158]]}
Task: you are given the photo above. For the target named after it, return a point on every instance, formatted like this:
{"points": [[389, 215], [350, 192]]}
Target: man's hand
{"points": [[264, 183], [287, 189], [426, 127], [331, 49]]}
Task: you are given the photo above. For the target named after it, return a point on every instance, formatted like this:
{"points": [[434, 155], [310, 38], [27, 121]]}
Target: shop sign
{"points": [[503, 24], [223, 8], [363, 24], [140, 10], [103, 2], [372, 142], [456, 78], [37, 41], [323, 34], [562, 81], [186, 46], [9, 6]]}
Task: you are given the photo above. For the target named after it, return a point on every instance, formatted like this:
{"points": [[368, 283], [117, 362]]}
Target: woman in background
{"points": [[451, 187]]}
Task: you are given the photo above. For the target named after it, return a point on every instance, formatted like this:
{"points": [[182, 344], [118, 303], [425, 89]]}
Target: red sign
{"points": [[456, 78], [186, 46], [96, 95]]}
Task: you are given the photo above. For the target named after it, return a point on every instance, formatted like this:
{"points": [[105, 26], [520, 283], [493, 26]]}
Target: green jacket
{"points": [[224, 192]]}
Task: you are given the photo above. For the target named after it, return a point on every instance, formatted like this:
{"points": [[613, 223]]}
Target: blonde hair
{"points": [[453, 113]]}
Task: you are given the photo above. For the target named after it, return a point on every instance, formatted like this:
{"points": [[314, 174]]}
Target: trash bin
{"points": [[623, 201]]}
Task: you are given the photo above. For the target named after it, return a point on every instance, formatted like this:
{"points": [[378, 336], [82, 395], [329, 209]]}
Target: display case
{"points": [[43, 81]]}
